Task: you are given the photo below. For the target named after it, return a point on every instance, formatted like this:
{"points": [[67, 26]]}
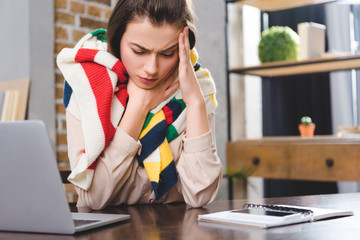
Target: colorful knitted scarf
{"points": [[95, 93]]}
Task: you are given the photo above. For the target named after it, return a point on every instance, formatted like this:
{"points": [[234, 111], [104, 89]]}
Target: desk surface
{"points": [[177, 221]]}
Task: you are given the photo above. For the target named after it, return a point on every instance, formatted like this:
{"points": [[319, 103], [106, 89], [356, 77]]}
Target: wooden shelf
{"points": [[315, 65], [319, 158], [276, 5]]}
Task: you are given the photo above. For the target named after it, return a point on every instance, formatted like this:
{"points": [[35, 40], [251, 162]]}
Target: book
{"points": [[268, 216], [349, 131], [16, 94], [312, 40], [10, 105]]}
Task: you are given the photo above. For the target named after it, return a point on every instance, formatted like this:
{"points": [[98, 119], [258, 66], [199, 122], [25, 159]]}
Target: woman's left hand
{"points": [[189, 85], [196, 117]]}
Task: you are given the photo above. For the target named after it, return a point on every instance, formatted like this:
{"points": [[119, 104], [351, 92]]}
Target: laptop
{"points": [[32, 195]]}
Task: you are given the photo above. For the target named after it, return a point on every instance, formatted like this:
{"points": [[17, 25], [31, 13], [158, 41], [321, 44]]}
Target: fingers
{"points": [[184, 45], [186, 39]]}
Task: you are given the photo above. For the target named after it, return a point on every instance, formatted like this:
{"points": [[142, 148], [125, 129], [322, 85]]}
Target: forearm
{"points": [[112, 171], [133, 119], [200, 169], [113, 165], [196, 118]]}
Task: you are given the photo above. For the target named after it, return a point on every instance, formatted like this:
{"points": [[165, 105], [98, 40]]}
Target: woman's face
{"points": [[148, 52]]}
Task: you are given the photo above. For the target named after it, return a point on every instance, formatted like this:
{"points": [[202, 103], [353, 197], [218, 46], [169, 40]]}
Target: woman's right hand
{"points": [[147, 99], [141, 101]]}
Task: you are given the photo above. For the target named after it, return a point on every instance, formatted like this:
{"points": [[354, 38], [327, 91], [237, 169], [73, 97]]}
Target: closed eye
{"points": [[168, 54], [138, 52]]}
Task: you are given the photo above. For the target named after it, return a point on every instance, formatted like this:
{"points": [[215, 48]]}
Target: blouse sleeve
{"points": [[199, 168], [113, 167]]}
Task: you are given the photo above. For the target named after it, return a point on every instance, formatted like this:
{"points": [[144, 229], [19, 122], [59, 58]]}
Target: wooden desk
{"points": [[164, 222], [321, 158]]}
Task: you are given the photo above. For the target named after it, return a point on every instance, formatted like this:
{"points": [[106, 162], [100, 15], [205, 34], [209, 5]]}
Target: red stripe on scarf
{"points": [[120, 70], [93, 165], [168, 115], [122, 95], [84, 55], [101, 86]]}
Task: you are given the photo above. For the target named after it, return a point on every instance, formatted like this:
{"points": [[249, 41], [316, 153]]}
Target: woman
{"points": [[141, 130]]}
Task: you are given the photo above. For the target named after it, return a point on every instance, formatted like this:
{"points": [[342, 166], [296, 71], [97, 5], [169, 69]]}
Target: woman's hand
{"points": [[196, 118], [189, 85], [147, 99], [141, 101]]}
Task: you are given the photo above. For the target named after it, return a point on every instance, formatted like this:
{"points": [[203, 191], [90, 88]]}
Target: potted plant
{"points": [[238, 181], [306, 127], [278, 43]]}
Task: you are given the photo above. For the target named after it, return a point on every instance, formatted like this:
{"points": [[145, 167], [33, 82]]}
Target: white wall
{"points": [[211, 47], [245, 91], [27, 40]]}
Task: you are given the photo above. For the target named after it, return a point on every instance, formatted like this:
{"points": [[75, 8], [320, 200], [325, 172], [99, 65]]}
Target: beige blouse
{"points": [[118, 179]]}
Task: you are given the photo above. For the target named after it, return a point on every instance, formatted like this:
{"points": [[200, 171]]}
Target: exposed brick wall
{"points": [[73, 19]]}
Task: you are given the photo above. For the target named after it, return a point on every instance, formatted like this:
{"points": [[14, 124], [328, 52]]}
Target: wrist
{"points": [[196, 103], [133, 119], [141, 106], [196, 119]]}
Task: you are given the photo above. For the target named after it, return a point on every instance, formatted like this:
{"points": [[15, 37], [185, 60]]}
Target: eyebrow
{"points": [[145, 49]]}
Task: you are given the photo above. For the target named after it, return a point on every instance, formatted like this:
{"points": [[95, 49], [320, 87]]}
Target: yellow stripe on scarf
{"points": [[213, 99], [153, 170], [165, 155], [193, 56], [158, 117]]}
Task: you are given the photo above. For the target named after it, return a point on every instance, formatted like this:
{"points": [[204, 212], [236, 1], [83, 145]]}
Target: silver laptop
{"points": [[32, 196]]}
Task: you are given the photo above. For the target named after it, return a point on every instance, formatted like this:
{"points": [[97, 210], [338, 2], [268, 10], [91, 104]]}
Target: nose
{"points": [[151, 65]]}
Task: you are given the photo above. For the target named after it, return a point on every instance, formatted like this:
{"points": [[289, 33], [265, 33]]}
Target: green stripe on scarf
{"points": [[147, 120], [171, 133], [100, 34]]}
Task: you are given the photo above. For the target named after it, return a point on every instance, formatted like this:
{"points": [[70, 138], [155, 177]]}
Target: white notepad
{"points": [[267, 216]]}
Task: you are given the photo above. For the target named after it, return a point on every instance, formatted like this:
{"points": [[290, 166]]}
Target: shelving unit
{"points": [[326, 158]]}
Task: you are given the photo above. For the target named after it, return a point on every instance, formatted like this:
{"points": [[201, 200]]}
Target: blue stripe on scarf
{"points": [[167, 179], [67, 94], [176, 108], [152, 140], [197, 66]]}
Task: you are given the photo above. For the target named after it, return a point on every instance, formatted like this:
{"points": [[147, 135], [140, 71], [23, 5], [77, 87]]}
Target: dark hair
{"points": [[178, 12]]}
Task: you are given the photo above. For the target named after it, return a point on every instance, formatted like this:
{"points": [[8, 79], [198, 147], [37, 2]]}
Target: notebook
{"points": [[32, 196], [268, 216]]}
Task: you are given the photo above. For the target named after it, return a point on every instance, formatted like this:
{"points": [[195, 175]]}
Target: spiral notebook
{"points": [[268, 216]]}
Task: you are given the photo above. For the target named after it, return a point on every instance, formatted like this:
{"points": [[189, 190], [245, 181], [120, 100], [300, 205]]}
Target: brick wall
{"points": [[73, 19]]}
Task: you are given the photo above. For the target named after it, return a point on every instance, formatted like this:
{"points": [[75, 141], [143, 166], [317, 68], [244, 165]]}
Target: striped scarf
{"points": [[95, 92]]}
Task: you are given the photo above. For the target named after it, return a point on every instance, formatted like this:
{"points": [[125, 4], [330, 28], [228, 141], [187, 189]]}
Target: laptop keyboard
{"points": [[79, 222]]}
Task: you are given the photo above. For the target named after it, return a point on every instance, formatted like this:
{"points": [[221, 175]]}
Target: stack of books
{"points": [[13, 99], [349, 131]]}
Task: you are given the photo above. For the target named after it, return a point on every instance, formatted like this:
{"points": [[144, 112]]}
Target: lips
{"points": [[147, 80]]}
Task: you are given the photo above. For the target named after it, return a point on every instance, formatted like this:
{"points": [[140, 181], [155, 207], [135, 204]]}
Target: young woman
{"points": [[140, 110]]}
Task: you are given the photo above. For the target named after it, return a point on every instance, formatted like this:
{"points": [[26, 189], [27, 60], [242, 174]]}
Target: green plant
{"points": [[306, 120], [278, 43], [241, 174]]}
